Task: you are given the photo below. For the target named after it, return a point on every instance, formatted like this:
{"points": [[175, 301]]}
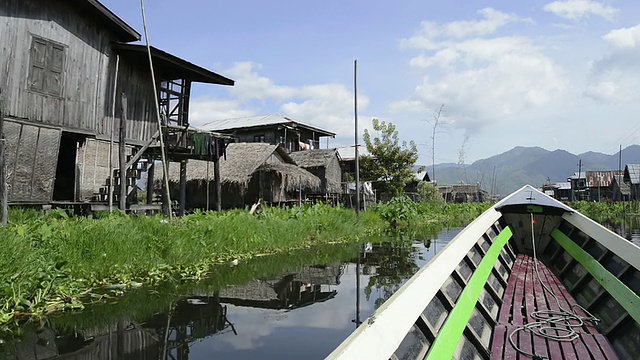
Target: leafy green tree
{"points": [[390, 162], [429, 193]]}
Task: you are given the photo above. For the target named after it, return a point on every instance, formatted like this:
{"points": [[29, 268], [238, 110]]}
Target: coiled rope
{"points": [[557, 325]]}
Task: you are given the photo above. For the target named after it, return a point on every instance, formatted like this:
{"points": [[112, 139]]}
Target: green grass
{"points": [[52, 262]]}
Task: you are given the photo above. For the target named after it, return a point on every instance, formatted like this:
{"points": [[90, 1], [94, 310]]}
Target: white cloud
{"points": [[327, 106], [429, 32], [578, 9], [206, 109], [626, 38], [481, 80], [616, 76], [250, 85]]}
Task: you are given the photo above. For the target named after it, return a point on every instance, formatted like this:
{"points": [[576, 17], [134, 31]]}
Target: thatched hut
{"points": [[248, 173], [323, 163]]}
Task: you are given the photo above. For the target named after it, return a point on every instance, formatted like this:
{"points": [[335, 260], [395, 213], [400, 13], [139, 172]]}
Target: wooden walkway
{"points": [[524, 296]]}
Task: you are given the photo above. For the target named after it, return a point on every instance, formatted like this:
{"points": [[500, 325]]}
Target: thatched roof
{"points": [[314, 158], [244, 159], [293, 177]]}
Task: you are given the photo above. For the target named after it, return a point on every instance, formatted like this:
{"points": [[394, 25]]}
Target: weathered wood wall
{"points": [[93, 166], [32, 156], [84, 104]]}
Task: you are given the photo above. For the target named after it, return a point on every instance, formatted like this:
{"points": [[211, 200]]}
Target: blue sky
{"points": [[555, 74]]}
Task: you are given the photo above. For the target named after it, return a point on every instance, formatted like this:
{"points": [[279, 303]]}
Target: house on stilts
{"points": [[71, 76], [249, 173]]}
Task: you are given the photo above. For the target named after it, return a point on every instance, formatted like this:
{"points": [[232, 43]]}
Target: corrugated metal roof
{"points": [[602, 179], [632, 174], [261, 120], [349, 153]]}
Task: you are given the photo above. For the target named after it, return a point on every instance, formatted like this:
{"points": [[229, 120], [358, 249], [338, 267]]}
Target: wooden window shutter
{"points": [[38, 64], [46, 70]]}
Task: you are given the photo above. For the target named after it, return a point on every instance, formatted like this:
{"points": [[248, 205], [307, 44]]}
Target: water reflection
{"points": [[301, 305], [625, 226]]}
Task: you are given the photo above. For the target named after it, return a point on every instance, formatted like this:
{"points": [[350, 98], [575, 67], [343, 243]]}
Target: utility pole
{"points": [[579, 177]]}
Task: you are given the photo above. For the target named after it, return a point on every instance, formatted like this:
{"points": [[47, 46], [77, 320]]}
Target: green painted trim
{"points": [[628, 299], [534, 208], [449, 336]]}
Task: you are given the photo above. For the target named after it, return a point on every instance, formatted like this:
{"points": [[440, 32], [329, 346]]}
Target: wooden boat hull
{"points": [[463, 303]]}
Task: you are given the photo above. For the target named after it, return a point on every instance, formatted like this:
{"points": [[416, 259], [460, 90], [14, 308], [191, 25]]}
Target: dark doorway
{"points": [[64, 188]]}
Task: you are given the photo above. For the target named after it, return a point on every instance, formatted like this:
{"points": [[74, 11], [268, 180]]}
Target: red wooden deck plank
{"points": [[581, 349], [592, 345], [568, 352], [566, 300], [605, 346], [498, 342], [507, 300], [524, 289], [541, 346], [518, 295]]}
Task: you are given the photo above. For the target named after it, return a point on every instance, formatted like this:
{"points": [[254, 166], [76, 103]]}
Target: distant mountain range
{"points": [[528, 165]]}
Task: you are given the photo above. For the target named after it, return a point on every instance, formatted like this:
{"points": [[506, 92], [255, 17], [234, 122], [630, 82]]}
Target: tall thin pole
{"points": [[113, 127], [122, 154], [355, 112], [4, 196], [165, 170]]}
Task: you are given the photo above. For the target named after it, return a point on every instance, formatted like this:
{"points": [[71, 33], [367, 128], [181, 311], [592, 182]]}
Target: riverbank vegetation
{"points": [[54, 261]]}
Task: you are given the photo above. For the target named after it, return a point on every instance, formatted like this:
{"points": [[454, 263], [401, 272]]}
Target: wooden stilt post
{"points": [[122, 150], [4, 208], [150, 181], [216, 173], [183, 187]]}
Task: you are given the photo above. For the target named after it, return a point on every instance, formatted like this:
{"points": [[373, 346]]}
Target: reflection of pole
{"points": [[358, 322], [166, 333]]}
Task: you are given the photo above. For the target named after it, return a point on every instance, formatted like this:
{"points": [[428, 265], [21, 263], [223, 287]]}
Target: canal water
{"points": [[300, 305]]}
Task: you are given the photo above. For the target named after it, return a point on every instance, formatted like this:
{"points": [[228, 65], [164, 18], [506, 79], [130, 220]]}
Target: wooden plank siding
{"points": [[84, 105]]}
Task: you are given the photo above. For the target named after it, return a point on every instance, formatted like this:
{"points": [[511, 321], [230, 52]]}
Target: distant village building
{"points": [[250, 172], [559, 191], [632, 178], [325, 164], [463, 193], [273, 129]]}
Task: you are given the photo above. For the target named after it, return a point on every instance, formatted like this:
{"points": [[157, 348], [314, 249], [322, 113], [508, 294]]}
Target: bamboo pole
{"points": [[216, 173], [4, 207], [355, 112], [113, 128], [122, 154], [182, 199], [165, 169]]}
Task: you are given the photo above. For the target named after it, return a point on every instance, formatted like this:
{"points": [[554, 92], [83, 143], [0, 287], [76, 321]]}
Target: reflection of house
{"points": [[308, 286], [249, 172], [272, 129], [323, 163], [463, 193], [189, 320], [59, 67]]}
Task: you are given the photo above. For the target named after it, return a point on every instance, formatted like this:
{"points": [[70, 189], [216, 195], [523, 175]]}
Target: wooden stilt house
{"points": [[249, 172], [325, 164], [66, 68]]}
